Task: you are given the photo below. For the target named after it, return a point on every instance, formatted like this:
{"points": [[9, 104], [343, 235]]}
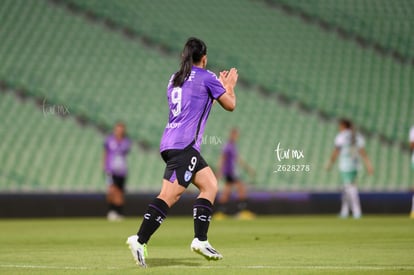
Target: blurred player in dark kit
{"points": [[116, 149], [227, 168]]}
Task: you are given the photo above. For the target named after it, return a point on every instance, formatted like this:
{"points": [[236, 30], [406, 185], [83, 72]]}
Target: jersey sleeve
{"points": [[128, 146], [360, 141], [412, 134], [338, 141], [214, 85], [225, 150]]}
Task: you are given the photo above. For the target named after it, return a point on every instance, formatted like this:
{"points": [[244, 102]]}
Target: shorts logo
{"points": [[187, 176], [189, 173]]}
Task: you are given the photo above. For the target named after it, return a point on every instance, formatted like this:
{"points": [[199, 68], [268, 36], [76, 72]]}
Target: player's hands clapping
{"points": [[229, 78]]}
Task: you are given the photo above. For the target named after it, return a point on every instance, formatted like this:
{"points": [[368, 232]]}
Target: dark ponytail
{"points": [[194, 50]]}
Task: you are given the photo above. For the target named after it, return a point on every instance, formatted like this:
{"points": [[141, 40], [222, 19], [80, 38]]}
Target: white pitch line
{"points": [[281, 267], [23, 266], [310, 267], [43, 266]]}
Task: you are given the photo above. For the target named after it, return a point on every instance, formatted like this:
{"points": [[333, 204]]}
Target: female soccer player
{"points": [[190, 92], [116, 149], [227, 167], [349, 146]]}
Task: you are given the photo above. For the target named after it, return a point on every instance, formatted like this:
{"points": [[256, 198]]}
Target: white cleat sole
{"points": [[207, 257], [137, 257], [204, 249]]}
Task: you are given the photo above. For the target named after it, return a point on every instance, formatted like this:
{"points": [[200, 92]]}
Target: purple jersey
{"points": [[116, 153], [190, 106], [230, 159]]}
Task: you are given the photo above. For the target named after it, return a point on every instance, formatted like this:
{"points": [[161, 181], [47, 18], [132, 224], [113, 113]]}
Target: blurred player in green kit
{"points": [[349, 149]]}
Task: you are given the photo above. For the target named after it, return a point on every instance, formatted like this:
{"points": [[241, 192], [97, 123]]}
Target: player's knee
{"points": [[209, 190], [216, 187], [170, 199], [213, 187]]}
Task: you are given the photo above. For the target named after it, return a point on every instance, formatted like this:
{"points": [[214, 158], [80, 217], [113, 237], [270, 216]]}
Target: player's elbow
{"points": [[228, 102], [231, 107]]}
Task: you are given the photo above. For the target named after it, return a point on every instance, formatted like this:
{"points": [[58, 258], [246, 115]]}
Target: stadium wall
{"points": [[93, 205]]}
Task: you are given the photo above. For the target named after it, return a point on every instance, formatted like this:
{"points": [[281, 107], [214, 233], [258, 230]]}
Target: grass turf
{"points": [[267, 245]]}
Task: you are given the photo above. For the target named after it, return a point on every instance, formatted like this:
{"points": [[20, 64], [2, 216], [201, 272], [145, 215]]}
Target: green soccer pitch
{"points": [[267, 245]]}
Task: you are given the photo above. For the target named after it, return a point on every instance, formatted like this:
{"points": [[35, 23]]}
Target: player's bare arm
{"points": [[332, 159], [367, 161], [103, 160], [222, 159], [246, 167]]}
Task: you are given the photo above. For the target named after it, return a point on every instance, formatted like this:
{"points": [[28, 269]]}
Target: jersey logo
{"points": [[187, 176]]}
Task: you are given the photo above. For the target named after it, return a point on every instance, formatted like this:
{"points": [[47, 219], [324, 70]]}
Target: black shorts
{"points": [[230, 179], [182, 164], [118, 181]]}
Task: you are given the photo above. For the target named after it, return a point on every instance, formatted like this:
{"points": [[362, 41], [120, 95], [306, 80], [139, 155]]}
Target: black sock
{"points": [[241, 205], [119, 209], [156, 213], [202, 215], [111, 207]]}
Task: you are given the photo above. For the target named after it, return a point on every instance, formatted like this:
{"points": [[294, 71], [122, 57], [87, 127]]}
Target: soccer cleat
{"points": [[139, 251], [219, 216], [113, 216], [246, 215], [206, 250], [412, 215]]}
